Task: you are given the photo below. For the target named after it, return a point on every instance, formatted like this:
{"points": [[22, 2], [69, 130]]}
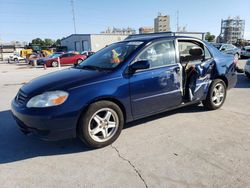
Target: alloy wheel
{"points": [[218, 94], [103, 125]]}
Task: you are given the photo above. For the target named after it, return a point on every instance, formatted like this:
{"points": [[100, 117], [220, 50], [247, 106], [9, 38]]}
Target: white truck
{"points": [[16, 58]]}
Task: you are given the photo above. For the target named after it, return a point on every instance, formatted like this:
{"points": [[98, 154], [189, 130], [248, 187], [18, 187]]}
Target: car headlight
{"points": [[48, 99]]}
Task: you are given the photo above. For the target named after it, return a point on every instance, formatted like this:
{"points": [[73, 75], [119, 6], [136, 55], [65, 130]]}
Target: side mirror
{"points": [[139, 65]]}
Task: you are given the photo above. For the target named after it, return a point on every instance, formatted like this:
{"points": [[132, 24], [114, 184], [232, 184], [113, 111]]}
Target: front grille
{"points": [[21, 97]]}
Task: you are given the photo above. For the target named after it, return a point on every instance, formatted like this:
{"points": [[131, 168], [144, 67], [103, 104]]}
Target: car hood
{"points": [[62, 80]]}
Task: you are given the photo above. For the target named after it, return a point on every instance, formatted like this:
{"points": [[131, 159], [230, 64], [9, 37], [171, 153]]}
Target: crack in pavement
{"points": [[131, 164]]}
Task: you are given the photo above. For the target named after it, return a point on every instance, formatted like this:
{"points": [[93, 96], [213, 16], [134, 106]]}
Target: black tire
{"points": [[208, 102], [54, 64], [85, 122]]}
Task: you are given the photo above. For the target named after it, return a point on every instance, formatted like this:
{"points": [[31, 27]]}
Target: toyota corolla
{"points": [[123, 82]]}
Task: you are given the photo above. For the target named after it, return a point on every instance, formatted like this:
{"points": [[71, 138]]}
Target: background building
{"points": [[90, 42], [146, 30], [232, 30], [7, 49], [162, 23], [120, 31]]}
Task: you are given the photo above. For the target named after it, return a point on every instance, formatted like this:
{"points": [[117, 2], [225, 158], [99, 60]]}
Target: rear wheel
{"points": [[101, 124], [54, 64], [216, 95]]}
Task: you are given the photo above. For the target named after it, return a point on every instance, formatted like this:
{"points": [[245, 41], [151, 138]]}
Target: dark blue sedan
{"points": [[123, 82]]}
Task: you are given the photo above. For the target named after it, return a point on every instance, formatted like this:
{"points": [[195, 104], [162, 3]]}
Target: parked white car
{"points": [[247, 68], [245, 52], [16, 57]]}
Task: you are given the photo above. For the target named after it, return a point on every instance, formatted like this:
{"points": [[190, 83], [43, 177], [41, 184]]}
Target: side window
{"points": [[224, 47], [159, 54], [187, 54], [207, 53], [232, 47], [64, 55]]}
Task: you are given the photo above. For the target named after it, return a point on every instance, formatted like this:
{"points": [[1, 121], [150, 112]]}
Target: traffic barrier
{"points": [[59, 63]]}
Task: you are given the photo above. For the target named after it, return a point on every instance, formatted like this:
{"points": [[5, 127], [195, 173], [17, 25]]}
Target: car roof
{"points": [[151, 38]]}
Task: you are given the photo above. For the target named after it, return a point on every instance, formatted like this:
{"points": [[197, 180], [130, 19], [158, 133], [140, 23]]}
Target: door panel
{"points": [[204, 78], [64, 59], [157, 88]]}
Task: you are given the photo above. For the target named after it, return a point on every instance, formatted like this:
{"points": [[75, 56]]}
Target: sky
{"points": [[24, 20]]}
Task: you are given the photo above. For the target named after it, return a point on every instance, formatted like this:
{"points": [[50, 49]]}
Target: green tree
{"points": [[38, 42], [209, 37], [48, 42], [58, 42]]}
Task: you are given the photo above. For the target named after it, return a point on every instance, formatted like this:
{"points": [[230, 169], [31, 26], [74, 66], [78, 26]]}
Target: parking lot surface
{"points": [[188, 147]]}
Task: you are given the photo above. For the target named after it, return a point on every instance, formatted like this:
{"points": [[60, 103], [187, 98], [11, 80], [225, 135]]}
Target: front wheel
{"points": [[54, 64], [101, 124], [216, 95], [16, 60]]}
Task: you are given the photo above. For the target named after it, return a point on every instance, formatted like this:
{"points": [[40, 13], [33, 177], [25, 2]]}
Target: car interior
{"points": [[191, 54]]}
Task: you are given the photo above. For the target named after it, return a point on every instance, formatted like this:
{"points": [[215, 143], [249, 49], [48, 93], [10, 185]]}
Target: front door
{"points": [[157, 88]]}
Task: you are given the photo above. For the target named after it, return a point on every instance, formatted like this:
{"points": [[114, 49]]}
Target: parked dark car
{"points": [[228, 49], [88, 53], [121, 83], [65, 58]]}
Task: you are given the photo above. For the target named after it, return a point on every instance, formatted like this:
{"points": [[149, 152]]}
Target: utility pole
{"points": [[177, 21], [73, 12]]}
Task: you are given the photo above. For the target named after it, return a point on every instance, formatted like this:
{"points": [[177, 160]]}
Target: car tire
{"points": [[101, 124], [79, 61], [54, 64], [16, 60], [216, 95]]}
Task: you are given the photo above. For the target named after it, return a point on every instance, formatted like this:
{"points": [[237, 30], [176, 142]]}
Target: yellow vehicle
{"points": [[47, 52], [26, 53]]}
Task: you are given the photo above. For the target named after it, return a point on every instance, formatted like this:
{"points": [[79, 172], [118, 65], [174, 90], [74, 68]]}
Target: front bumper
{"points": [[43, 124]]}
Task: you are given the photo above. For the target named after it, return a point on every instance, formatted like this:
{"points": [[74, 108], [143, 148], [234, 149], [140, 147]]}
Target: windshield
{"points": [[110, 57], [55, 55]]}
